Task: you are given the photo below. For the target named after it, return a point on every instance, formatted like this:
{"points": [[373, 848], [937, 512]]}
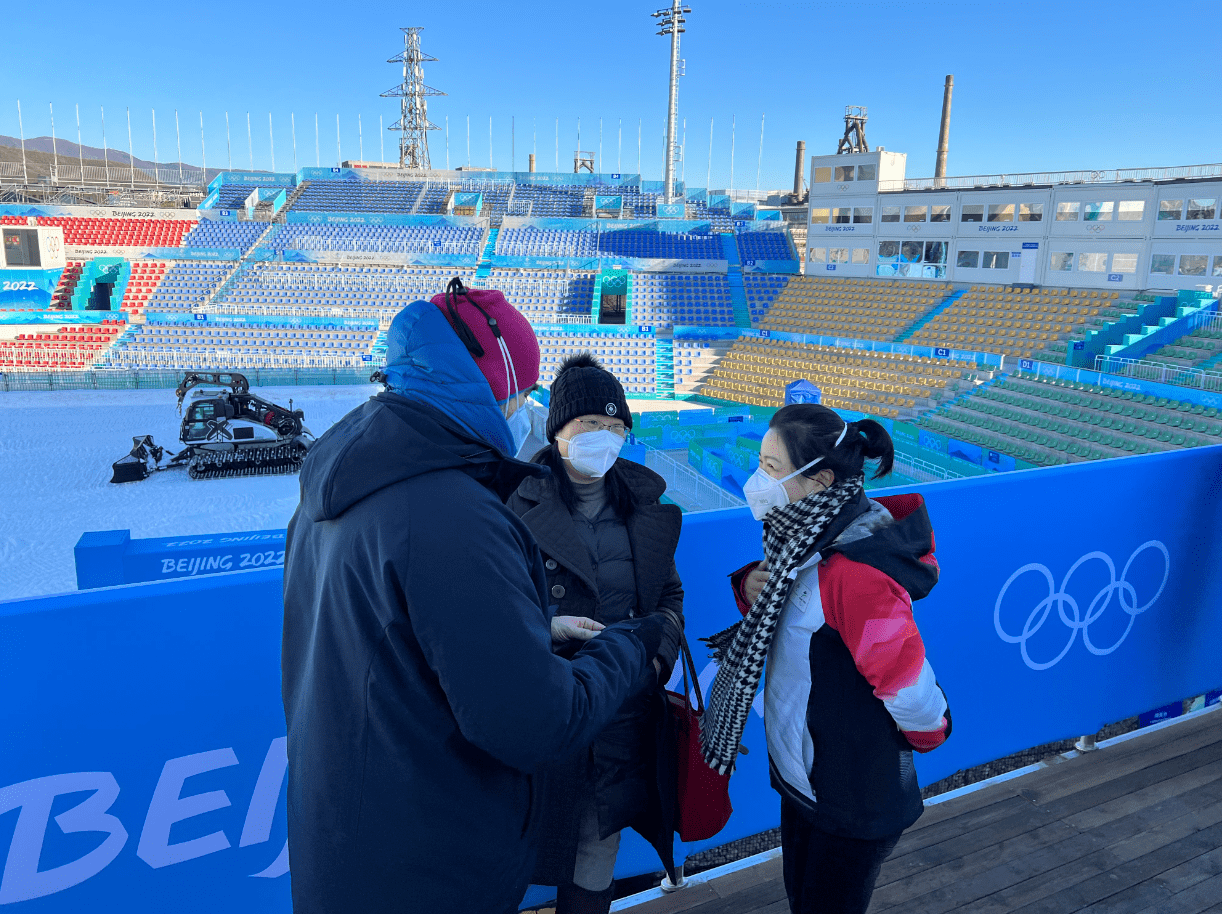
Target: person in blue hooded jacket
{"points": [[420, 688]]}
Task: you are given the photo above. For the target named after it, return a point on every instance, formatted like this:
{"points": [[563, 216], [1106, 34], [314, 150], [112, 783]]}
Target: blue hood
{"points": [[427, 362]]}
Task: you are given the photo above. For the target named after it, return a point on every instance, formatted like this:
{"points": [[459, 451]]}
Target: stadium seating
{"points": [[1055, 422], [764, 245], [139, 233], [68, 347], [762, 290], [629, 356], [1011, 322], [187, 285], [234, 196], [321, 289], [545, 296], [533, 242], [720, 217], [880, 383], [359, 197], [235, 347], [693, 361], [240, 235], [1199, 349], [541, 200], [433, 200], [670, 299], [496, 197], [876, 309], [61, 298], [637, 205], [393, 239], [141, 285]]}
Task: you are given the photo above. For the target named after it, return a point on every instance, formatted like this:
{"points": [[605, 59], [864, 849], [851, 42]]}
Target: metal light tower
{"points": [[670, 22], [412, 92], [854, 139]]}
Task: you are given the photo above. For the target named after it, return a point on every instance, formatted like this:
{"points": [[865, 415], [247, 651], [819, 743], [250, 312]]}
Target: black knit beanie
{"points": [[583, 387]]}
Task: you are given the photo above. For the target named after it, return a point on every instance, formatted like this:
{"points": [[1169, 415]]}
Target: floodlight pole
{"points": [[54, 149], [670, 22]]}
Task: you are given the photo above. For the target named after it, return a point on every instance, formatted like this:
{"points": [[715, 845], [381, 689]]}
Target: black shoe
{"points": [[573, 899]]}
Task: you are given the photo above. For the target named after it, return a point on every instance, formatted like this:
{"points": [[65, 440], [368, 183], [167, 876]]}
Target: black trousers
{"points": [[825, 874]]}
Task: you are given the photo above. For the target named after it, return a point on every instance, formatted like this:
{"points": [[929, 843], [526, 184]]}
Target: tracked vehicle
{"points": [[227, 431]]}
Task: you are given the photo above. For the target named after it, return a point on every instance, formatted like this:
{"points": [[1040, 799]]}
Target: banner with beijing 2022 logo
{"points": [[142, 762]]}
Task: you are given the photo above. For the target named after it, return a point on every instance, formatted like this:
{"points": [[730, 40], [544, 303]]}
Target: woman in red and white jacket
{"points": [[849, 692]]}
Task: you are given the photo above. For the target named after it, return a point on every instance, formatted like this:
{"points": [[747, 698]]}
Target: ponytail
{"points": [[875, 444], [809, 430]]}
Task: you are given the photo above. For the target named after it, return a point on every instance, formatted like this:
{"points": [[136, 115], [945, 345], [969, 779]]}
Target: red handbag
{"points": [[702, 798]]}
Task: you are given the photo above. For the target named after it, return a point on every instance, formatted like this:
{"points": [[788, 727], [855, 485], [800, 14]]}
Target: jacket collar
{"points": [[653, 529]]}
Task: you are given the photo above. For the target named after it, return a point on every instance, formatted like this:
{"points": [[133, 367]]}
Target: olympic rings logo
{"points": [[1070, 612]]}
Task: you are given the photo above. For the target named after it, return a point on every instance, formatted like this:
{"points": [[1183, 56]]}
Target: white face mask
{"points": [[593, 453], [519, 427], [763, 492]]}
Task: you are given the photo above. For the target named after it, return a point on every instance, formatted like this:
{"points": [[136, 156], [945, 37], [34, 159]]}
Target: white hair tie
{"points": [[843, 431]]}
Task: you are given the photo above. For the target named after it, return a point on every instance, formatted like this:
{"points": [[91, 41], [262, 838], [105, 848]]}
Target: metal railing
{"points": [[137, 379], [683, 481], [117, 175], [1105, 176], [922, 470], [229, 359], [331, 244], [1143, 370], [382, 315], [280, 279]]}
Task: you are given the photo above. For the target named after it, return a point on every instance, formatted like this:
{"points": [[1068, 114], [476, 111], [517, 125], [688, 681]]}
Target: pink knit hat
{"points": [[518, 357]]}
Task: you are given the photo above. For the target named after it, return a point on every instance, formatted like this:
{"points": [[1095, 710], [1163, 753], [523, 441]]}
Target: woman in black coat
{"points": [[609, 551]]}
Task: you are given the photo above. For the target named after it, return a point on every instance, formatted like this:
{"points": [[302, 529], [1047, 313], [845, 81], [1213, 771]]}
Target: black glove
{"points": [[647, 629]]}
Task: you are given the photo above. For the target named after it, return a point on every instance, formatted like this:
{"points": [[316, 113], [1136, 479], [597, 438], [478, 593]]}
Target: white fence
{"points": [[344, 281], [185, 359], [687, 487], [328, 244], [922, 470], [1106, 176], [1143, 370], [117, 175]]}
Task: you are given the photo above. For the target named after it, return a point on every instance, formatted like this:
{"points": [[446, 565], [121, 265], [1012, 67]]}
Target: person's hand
{"points": [[754, 583], [574, 628]]}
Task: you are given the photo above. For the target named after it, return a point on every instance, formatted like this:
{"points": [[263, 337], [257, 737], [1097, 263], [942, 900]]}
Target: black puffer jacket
{"points": [[420, 688], [621, 770]]}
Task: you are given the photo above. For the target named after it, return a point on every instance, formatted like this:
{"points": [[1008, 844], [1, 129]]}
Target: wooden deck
{"points": [[1133, 828]]}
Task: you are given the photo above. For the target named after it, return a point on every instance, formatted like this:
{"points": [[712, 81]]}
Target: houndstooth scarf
{"points": [[791, 534]]}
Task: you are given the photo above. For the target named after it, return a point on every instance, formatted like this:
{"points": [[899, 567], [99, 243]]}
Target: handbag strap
{"points": [[689, 663]]}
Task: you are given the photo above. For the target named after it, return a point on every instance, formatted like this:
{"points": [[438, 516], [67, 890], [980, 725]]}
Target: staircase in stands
{"points": [[930, 315], [485, 259], [664, 368], [734, 278]]}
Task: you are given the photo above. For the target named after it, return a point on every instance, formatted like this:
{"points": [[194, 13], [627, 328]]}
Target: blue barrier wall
{"points": [[60, 317], [259, 320], [142, 727], [105, 558]]}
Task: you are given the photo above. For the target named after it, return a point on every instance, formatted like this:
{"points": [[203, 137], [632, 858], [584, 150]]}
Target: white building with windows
{"points": [[1126, 229]]}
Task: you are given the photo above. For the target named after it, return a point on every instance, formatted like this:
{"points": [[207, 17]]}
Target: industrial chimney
{"points": [[798, 171], [532, 162], [939, 169]]}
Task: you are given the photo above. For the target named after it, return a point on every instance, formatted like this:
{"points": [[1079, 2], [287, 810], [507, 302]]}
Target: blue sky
{"points": [[1038, 86]]}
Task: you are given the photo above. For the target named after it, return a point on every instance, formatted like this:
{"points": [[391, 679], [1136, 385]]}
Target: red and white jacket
{"points": [[849, 691]]}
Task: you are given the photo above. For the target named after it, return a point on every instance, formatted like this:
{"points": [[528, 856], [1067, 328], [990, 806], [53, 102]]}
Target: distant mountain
{"points": [[68, 150]]}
